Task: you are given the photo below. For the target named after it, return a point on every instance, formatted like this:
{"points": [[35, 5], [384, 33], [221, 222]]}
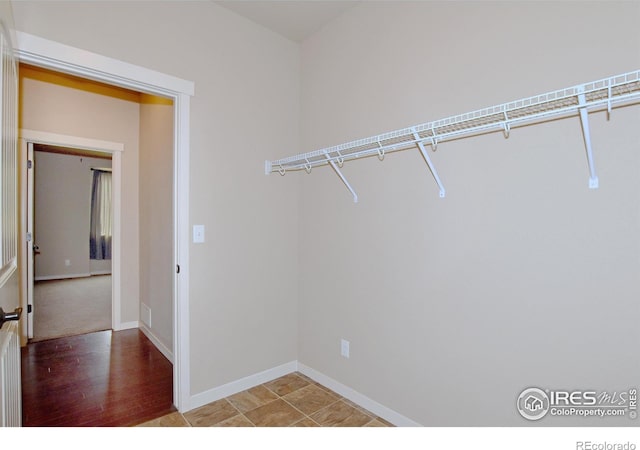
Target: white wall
{"points": [[243, 288], [156, 216], [521, 276], [62, 214]]}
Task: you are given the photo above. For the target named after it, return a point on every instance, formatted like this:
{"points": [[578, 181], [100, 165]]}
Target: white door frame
{"points": [[63, 58], [27, 137]]}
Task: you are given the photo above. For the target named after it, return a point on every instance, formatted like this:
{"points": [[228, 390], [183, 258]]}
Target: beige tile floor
{"points": [[293, 400]]}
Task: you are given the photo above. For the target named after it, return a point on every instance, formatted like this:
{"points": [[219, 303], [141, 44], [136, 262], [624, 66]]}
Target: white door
{"points": [[30, 238]]}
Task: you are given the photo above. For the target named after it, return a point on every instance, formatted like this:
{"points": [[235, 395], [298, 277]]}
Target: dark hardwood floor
{"points": [[103, 379]]}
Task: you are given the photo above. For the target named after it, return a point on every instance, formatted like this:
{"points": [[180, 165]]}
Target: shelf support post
{"points": [[432, 168], [584, 119], [344, 180]]}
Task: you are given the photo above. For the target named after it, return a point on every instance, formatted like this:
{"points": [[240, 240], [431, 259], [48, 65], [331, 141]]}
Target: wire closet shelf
{"points": [[598, 95]]}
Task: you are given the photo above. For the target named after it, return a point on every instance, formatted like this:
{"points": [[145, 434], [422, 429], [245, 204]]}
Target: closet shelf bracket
{"points": [[584, 119], [432, 168], [344, 180]]}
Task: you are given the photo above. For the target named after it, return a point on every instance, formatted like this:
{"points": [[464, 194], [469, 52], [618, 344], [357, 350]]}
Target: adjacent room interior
{"points": [[63, 105], [72, 215]]}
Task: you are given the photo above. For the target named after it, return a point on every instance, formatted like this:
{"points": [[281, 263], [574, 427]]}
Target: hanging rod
{"points": [[607, 93]]}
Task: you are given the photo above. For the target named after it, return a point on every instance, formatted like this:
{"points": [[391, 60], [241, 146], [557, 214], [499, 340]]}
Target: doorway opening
{"points": [[54, 248], [55, 56], [72, 276], [143, 269]]}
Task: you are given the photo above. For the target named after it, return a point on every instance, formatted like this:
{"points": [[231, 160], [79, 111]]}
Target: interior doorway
{"points": [[61, 153], [70, 219], [52, 55]]}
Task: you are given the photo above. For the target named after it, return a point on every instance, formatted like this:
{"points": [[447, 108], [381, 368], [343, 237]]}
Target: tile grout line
{"points": [[310, 382], [239, 412], [284, 400], [278, 397], [338, 397], [269, 402], [306, 415]]}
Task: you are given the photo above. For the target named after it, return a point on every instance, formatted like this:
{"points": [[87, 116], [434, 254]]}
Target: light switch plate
{"points": [[344, 348], [198, 234]]}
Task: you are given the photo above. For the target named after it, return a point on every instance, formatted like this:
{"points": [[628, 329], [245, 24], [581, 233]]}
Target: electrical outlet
{"points": [[344, 348], [67, 262]]}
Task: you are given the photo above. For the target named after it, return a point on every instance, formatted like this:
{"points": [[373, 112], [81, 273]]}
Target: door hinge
{"points": [[29, 309], [29, 236], [29, 164], [177, 268]]}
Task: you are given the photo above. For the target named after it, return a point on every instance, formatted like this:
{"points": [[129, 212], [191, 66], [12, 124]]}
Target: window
{"points": [[101, 213]]}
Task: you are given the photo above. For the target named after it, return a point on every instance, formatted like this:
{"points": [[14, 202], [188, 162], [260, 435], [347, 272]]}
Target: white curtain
{"points": [[101, 213]]}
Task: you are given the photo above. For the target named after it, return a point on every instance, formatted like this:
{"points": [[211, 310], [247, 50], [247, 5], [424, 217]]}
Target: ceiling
{"points": [[295, 20]]}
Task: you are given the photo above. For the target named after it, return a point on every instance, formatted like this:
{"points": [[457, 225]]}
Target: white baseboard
{"points": [[370, 405], [100, 272], [62, 277], [242, 384], [154, 339], [127, 325], [250, 381]]}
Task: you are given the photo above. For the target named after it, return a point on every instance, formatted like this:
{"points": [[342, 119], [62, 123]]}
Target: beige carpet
{"points": [[70, 307]]}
